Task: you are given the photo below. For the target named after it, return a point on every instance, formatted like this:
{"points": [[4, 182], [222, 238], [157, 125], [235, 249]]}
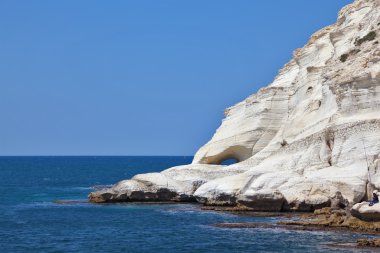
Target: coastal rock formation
{"points": [[175, 184], [369, 243], [365, 212], [325, 219], [301, 142]]}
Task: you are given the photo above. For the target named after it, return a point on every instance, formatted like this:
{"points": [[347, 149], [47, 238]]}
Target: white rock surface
{"points": [[299, 141], [366, 212], [175, 184]]}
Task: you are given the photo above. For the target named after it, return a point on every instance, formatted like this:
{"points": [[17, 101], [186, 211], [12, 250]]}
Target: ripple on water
{"points": [[31, 222]]}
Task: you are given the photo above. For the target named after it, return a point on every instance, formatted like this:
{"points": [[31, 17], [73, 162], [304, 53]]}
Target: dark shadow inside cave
{"points": [[229, 161]]}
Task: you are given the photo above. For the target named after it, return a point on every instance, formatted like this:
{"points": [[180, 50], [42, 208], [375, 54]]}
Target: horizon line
{"points": [[97, 155]]}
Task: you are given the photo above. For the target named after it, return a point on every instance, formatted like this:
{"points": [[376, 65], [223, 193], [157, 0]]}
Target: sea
{"points": [[32, 221]]}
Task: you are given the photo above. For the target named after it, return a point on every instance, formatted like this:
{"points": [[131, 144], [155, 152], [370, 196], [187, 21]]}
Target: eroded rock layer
{"points": [[301, 142]]}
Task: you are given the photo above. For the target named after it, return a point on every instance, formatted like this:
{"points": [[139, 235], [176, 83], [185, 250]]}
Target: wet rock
{"points": [[335, 219], [325, 210], [369, 243]]}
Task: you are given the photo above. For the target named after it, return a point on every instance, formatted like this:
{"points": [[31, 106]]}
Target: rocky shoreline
{"points": [[320, 219], [325, 219]]}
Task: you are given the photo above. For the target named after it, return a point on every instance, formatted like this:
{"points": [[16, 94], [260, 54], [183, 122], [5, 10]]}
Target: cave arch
{"points": [[229, 161], [231, 155]]}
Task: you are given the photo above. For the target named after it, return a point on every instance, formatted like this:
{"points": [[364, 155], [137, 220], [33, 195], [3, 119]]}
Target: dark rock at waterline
{"points": [[160, 195], [335, 219], [271, 202], [369, 243], [361, 243], [259, 225], [365, 212], [305, 206], [321, 220], [242, 210], [220, 200]]}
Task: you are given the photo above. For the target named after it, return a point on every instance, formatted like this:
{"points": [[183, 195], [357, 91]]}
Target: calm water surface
{"points": [[31, 222]]}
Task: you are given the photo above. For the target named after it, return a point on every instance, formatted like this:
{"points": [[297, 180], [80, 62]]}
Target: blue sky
{"points": [[138, 77]]}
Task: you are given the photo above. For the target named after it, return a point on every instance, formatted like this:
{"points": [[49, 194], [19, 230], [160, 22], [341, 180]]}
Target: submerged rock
{"points": [[369, 243], [301, 142], [331, 219], [322, 219]]}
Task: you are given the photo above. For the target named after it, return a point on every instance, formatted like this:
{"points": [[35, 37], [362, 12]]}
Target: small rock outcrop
{"points": [[366, 212], [369, 243], [263, 201], [300, 142], [176, 184]]}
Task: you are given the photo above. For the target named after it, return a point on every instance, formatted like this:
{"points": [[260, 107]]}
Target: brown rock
{"points": [[368, 243]]}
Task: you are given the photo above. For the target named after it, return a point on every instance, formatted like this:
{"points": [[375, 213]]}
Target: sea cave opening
{"points": [[229, 161]]}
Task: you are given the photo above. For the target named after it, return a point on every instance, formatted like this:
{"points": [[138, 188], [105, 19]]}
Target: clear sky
{"points": [[138, 77]]}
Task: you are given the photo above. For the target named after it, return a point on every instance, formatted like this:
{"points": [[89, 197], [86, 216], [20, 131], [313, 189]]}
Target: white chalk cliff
{"points": [[299, 142]]}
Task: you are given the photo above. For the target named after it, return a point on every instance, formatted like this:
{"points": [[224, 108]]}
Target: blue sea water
{"points": [[30, 221]]}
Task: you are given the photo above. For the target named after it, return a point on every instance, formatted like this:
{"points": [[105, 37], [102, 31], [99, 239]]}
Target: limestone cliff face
{"points": [[299, 142]]}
